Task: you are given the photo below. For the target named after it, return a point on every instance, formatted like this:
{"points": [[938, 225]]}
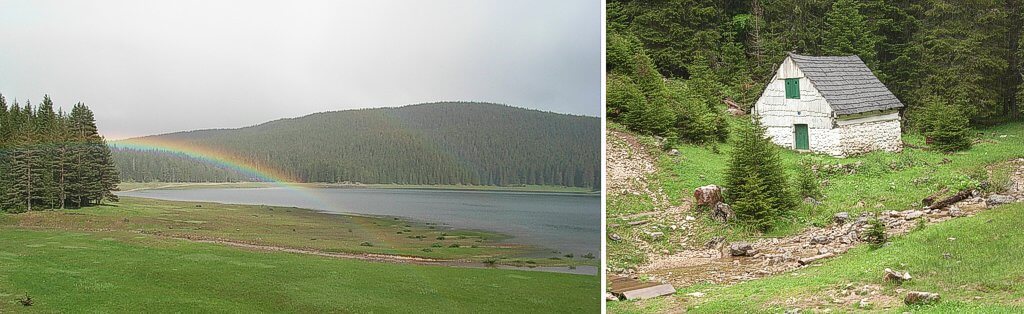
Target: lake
{"points": [[570, 223]]}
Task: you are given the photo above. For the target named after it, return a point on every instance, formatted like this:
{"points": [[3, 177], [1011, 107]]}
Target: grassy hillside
{"points": [[982, 274], [878, 181], [430, 144]]}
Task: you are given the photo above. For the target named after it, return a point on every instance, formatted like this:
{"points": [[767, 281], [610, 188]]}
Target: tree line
{"points": [[965, 55], [428, 144], [51, 159]]}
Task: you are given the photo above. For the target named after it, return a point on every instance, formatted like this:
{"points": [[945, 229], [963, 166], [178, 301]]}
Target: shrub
{"points": [[365, 244], [945, 126], [875, 234], [809, 185]]}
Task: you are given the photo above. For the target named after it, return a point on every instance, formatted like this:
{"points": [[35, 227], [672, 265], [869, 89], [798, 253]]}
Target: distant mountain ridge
{"points": [[434, 143]]}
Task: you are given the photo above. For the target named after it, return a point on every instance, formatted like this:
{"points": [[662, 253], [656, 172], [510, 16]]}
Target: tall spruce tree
{"points": [[756, 182], [847, 32]]}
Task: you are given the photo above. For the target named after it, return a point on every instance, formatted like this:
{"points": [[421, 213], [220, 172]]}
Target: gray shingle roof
{"points": [[846, 83]]}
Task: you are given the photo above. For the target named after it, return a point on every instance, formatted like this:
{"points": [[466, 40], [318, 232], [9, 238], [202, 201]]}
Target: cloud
{"points": [[149, 67]]}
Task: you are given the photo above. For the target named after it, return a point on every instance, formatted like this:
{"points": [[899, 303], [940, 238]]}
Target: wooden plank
{"points": [[629, 288], [649, 292]]}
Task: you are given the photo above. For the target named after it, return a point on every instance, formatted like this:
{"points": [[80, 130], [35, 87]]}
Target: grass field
{"points": [[66, 271], [880, 181], [127, 257], [983, 274]]}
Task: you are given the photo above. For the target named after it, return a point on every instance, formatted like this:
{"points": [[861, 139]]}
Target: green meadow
{"points": [[133, 256]]}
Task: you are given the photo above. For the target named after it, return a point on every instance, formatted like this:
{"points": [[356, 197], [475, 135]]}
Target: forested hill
{"points": [[435, 143]]}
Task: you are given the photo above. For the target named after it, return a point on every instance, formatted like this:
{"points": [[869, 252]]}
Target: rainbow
{"points": [[211, 156]]}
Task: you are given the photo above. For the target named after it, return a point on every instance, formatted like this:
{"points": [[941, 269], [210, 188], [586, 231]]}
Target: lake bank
{"points": [[136, 186], [557, 224]]}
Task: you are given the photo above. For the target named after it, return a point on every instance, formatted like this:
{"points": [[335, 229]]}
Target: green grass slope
{"points": [[881, 181], [984, 273]]}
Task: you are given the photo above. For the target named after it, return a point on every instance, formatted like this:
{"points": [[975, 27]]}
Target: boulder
{"points": [[999, 199], [673, 152], [614, 237], [841, 217], [920, 297], [895, 276], [722, 213], [708, 196], [741, 249]]}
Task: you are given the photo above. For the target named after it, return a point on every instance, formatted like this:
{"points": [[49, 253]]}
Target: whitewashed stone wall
{"points": [[870, 133]]}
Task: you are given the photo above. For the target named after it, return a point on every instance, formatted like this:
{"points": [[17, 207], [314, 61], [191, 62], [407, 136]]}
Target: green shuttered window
{"points": [[792, 88]]}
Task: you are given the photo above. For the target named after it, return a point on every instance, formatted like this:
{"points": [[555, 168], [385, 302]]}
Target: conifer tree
{"points": [[945, 126], [756, 182], [847, 32]]}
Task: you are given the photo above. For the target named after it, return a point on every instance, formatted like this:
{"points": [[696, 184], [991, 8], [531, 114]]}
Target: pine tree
{"points": [[945, 126], [848, 32], [756, 182]]}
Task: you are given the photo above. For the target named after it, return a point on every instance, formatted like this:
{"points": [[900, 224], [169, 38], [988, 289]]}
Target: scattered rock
{"points": [[697, 294], [824, 250], [947, 255], [864, 304], [690, 218], [895, 276], [913, 214], [811, 200], [955, 211], [723, 213], [741, 249], [841, 217], [920, 297], [819, 239], [707, 195], [793, 311], [860, 204], [715, 243], [656, 235], [673, 152], [614, 237], [999, 199]]}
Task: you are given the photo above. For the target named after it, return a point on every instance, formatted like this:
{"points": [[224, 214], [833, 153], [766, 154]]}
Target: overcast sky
{"points": [[148, 67]]}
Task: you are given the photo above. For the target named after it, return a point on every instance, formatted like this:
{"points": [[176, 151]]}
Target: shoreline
{"points": [[544, 189]]}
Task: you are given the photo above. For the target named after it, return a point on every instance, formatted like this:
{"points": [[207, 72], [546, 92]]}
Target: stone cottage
{"points": [[832, 105]]}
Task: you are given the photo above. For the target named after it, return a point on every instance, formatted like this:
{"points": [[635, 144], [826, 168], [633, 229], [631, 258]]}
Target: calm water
{"points": [[564, 222]]}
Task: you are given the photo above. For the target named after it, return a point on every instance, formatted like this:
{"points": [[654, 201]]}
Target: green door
{"points": [[801, 137]]}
